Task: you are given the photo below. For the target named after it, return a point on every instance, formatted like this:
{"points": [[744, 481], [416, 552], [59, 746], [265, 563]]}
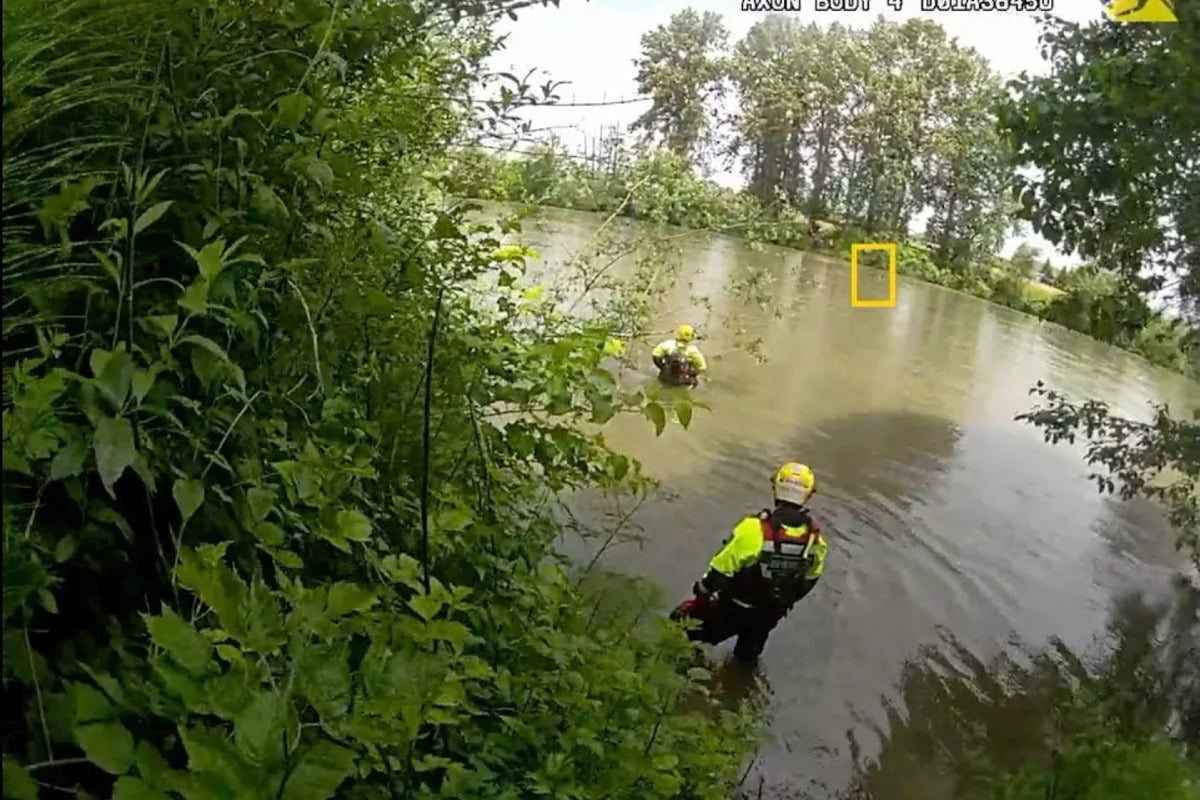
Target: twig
{"points": [[229, 430], [425, 437], [37, 691], [313, 333]]}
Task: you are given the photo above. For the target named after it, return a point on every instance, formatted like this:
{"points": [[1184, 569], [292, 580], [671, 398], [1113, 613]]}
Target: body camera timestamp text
{"points": [[987, 5]]}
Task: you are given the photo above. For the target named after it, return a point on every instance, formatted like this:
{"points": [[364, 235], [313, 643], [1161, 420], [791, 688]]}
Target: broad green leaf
{"points": [[143, 382], [449, 631], [683, 412], [150, 216], [658, 415], [189, 496], [323, 677], [319, 171], [91, 705], [130, 788], [209, 259], [207, 344], [403, 568], [18, 785], [65, 548], [354, 526], [115, 450], [115, 377], [69, 461], [181, 640], [109, 745], [218, 586], [287, 558], [292, 108], [666, 761], [602, 410], [346, 598], [445, 227], [212, 755], [165, 323], [260, 501], [426, 605], [259, 729], [194, 299], [151, 764], [321, 770], [562, 349], [269, 534], [453, 520]]}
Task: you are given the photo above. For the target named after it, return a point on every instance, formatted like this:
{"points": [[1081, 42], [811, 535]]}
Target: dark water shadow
{"points": [[959, 721]]}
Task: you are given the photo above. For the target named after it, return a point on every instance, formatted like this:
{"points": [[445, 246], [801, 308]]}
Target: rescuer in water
{"points": [[772, 560], [679, 361]]}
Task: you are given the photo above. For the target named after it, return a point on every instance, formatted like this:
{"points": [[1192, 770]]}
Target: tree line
{"points": [[860, 131]]}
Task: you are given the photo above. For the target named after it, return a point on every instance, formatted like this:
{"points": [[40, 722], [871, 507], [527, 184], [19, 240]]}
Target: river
{"points": [[947, 520]]}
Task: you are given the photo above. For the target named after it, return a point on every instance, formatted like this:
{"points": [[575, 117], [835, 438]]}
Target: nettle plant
{"points": [[261, 537]]}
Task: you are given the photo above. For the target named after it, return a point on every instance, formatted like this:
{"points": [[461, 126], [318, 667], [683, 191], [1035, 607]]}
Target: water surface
{"points": [[945, 517]]}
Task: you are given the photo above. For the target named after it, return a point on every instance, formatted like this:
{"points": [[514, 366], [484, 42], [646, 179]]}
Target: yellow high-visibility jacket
{"points": [[763, 551], [690, 352]]}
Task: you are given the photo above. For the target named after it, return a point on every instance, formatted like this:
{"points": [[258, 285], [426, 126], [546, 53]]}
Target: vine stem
{"points": [[426, 437], [37, 690]]}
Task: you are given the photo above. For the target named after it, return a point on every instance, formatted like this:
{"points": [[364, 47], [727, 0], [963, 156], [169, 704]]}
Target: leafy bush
{"points": [[261, 539]]}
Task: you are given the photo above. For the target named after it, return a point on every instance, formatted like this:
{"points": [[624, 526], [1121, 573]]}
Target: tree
{"points": [[682, 70], [1024, 259], [1047, 274], [872, 126], [1114, 130]]}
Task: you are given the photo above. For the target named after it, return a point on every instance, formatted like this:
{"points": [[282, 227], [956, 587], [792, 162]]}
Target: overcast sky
{"points": [[593, 44]]}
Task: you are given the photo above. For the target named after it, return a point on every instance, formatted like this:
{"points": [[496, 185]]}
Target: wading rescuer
{"points": [[772, 560], [679, 361]]}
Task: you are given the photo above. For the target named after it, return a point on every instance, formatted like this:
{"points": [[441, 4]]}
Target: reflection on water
{"points": [[947, 520], [957, 717]]}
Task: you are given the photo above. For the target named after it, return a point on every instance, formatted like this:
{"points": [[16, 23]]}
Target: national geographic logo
{"points": [[1141, 11]]}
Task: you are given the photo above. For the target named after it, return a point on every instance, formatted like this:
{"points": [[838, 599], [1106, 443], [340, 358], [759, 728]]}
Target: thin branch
{"points": [[425, 437]]}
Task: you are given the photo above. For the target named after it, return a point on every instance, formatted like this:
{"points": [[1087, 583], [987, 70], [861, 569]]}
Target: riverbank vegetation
{"points": [[261, 538], [839, 141]]}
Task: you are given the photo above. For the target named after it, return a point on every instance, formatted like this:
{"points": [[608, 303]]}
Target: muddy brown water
{"points": [[946, 518]]}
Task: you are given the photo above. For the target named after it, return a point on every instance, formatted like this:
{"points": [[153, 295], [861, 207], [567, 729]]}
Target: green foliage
{"points": [[233, 568], [1159, 459], [1107, 129], [682, 69], [870, 126]]}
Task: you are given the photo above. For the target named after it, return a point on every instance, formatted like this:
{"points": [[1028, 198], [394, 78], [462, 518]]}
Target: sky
{"points": [[592, 45]]}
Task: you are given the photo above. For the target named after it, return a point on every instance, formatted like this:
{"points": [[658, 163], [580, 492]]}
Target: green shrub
{"points": [[257, 544]]}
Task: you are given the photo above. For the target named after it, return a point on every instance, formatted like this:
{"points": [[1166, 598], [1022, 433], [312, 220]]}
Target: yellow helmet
{"points": [[794, 483], [684, 334]]}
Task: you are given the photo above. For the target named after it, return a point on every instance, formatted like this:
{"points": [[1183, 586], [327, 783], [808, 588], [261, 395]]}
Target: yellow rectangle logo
{"points": [[1141, 11], [855, 300]]}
